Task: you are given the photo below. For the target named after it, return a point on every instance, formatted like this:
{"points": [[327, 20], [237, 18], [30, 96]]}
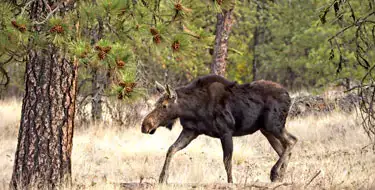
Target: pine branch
{"points": [[357, 23]]}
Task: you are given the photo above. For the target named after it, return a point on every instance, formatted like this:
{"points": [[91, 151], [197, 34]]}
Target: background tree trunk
{"points": [[97, 89], [259, 35], [255, 55], [224, 25], [99, 79]]}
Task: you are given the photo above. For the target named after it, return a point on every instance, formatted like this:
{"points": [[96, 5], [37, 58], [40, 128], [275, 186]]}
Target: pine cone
{"points": [[59, 29], [128, 89], [107, 49], [102, 55], [178, 6], [98, 48], [133, 85], [122, 84], [120, 63], [176, 46], [127, 84], [22, 28], [14, 23], [157, 39], [154, 31], [52, 30]]}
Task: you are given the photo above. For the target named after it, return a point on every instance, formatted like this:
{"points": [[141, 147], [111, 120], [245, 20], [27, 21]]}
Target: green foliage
{"points": [[129, 38], [295, 51], [118, 36], [13, 30]]}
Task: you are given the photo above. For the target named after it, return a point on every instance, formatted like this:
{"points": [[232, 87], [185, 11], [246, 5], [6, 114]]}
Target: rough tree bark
{"points": [[224, 25], [43, 155]]}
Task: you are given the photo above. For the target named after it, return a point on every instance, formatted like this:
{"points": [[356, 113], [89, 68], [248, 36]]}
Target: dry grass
{"points": [[105, 156]]}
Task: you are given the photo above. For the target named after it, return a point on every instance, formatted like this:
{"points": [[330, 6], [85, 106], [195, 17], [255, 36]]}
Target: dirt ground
{"points": [[331, 153]]}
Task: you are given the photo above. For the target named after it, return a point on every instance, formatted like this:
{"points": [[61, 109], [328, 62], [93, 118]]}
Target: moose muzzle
{"points": [[148, 126]]}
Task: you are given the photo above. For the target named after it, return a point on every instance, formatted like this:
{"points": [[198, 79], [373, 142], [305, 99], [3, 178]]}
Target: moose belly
{"points": [[205, 127], [247, 118]]}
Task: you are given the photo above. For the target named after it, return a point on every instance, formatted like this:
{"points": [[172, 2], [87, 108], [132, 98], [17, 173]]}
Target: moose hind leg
{"points": [[278, 147], [274, 130], [183, 140], [275, 143], [288, 141], [227, 145], [292, 141]]}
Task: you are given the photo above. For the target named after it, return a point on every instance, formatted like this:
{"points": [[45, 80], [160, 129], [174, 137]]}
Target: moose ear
{"points": [[159, 87], [171, 93], [168, 90]]}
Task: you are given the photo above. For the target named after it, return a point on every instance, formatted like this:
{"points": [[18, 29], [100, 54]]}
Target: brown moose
{"points": [[213, 106]]}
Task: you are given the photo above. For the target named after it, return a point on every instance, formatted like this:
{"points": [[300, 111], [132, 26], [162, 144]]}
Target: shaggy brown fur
{"points": [[219, 108]]}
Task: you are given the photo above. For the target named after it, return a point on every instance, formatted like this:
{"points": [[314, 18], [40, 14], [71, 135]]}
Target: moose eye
{"points": [[165, 106]]}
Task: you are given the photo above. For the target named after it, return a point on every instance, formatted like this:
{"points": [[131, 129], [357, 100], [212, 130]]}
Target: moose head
{"points": [[165, 111]]}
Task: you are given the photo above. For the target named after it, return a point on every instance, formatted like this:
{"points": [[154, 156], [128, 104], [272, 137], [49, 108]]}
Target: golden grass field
{"points": [[333, 146]]}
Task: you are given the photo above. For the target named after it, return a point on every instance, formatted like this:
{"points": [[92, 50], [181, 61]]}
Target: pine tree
{"points": [[57, 38], [43, 156]]}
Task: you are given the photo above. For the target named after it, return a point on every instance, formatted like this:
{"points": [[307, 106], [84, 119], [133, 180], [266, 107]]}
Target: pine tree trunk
{"points": [[98, 79], [43, 156], [259, 36], [224, 25], [255, 55], [97, 90]]}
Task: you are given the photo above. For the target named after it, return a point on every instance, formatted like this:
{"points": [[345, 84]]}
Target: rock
{"points": [[315, 105]]}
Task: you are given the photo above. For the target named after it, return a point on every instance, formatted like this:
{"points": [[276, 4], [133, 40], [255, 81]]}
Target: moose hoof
{"points": [[230, 180], [275, 177], [163, 179]]}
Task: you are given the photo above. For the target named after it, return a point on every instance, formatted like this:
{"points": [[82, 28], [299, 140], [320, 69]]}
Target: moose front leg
{"points": [[183, 140], [227, 145]]}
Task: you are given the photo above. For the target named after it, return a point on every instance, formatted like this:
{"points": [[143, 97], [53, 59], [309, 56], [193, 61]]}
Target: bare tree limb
{"points": [[7, 78], [364, 44], [49, 15], [7, 61]]}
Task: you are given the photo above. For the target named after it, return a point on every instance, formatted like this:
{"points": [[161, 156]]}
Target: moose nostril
{"points": [[143, 129], [146, 127]]}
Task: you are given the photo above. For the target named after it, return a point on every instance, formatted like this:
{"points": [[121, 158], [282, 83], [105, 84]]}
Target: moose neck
{"points": [[186, 105]]}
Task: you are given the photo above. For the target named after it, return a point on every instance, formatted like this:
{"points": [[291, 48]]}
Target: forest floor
{"points": [[331, 153]]}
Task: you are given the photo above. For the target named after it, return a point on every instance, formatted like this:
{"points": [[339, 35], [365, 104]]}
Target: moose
{"points": [[219, 108]]}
